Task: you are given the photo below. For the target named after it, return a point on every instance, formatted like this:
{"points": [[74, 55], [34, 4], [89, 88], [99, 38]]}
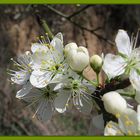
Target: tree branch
{"points": [[42, 22], [79, 26], [79, 11]]}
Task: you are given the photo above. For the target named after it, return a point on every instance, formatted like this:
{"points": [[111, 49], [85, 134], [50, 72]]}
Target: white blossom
{"points": [[128, 124], [47, 62], [114, 103], [127, 61], [96, 63], [42, 100], [21, 76], [73, 87], [77, 57]]}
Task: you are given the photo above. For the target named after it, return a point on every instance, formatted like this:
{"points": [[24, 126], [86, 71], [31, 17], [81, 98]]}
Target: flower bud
{"points": [[96, 63], [77, 57], [114, 103], [69, 47]]}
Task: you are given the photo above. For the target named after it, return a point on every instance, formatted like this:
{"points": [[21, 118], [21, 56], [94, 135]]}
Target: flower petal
{"points": [[40, 81], [61, 100], [137, 96], [57, 43], [58, 86], [45, 110], [24, 91], [83, 103], [37, 47], [78, 59], [135, 79], [128, 122], [113, 65], [112, 129], [123, 43], [138, 117], [20, 77], [39, 59], [90, 88], [60, 36], [57, 78], [32, 97], [114, 103]]}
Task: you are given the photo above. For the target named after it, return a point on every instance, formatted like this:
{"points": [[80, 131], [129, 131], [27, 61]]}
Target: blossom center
{"points": [[48, 93]]}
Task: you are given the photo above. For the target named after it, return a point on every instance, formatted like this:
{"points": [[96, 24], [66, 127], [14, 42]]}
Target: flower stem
{"points": [[97, 78], [47, 29], [90, 81]]}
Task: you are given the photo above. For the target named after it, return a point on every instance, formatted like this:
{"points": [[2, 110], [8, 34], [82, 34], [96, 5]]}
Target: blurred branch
{"points": [[47, 29], [69, 18], [21, 125], [42, 23], [79, 11], [115, 86]]}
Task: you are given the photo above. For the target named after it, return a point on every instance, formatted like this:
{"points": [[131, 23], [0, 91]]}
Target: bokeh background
{"points": [[93, 26]]}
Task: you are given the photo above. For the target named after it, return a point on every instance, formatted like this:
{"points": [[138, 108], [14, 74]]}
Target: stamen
{"points": [[18, 76], [136, 39], [119, 132], [121, 68], [48, 38], [129, 123], [126, 117], [109, 125], [117, 115], [46, 82], [43, 62], [129, 132], [36, 111], [43, 39]]}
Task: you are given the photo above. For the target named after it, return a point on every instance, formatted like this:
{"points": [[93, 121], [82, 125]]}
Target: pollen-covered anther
{"points": [[29, 70], [119, 132], [29, 65], [46, 81], [18, 76], [109, 126], [129, 123], [43, 62], [51, 47], [126, 117], [130, 132], [117, 115]]}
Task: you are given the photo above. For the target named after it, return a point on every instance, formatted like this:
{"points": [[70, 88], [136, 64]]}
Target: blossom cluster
{"points": [[51, 75]]}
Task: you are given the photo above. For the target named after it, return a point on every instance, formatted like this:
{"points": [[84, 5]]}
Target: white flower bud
{"points": [[28, 53], [96, 63], [77, 57], [69, 47], [114, 103]]}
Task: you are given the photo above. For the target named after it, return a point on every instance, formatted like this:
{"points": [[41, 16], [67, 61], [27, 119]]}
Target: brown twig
{"points": [[79, 26], [42, 22], [79, 11]]}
